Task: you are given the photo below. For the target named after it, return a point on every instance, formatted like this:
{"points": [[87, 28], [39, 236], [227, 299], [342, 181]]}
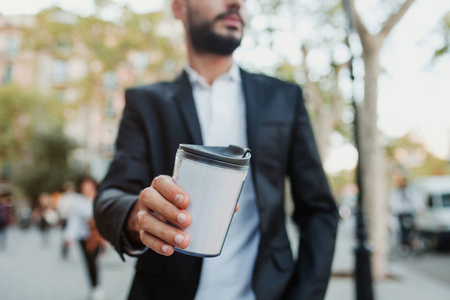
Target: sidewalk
{"points": [[30, 269], [411, 283]]}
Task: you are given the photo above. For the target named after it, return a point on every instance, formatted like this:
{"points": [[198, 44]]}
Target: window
{"points": [[430, 201], [446, 200], [109, 109], [60, 71], [12, 46], [109, 80], [8, 74], [141, 61]]}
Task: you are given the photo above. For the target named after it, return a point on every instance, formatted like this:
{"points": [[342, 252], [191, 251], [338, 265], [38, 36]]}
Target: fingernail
{"points": [[139, 215], [179, 239], [181, 218], [178, 199], [165, 248]]}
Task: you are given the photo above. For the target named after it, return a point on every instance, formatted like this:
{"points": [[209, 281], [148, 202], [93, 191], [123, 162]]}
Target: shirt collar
{"points": [[233, 75]]}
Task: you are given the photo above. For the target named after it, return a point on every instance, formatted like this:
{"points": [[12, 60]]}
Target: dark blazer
{"points": [[157, 118]]}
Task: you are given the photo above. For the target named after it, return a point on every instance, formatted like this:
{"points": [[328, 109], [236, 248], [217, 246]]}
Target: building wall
{"points": [[88, 124], [92, 121]]}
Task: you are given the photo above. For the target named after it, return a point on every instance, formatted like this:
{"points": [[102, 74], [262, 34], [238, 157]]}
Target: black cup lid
{"points": [[232, 154]]}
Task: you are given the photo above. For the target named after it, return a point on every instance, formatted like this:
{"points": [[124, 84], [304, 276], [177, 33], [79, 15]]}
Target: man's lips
{"points": [[232, 20]]}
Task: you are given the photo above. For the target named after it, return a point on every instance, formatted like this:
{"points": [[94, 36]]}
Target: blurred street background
{"points": [[64, 67], [31, 269], [426, 276]]}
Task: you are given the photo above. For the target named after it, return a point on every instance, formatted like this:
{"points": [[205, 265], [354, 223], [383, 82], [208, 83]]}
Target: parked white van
{"points": [[434, 220]]}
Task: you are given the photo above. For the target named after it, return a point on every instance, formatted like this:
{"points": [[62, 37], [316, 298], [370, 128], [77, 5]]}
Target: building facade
{"points": [[94, 96]]}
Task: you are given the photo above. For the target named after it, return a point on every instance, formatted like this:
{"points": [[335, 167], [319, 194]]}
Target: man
{"points": [[213, 102], [405, 203]]}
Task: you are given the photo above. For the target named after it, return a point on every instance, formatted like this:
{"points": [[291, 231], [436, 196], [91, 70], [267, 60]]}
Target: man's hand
{"points": [[158, 215]]}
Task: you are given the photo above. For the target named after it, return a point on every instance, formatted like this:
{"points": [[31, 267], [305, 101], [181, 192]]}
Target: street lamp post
{"points": [[363, 272]]}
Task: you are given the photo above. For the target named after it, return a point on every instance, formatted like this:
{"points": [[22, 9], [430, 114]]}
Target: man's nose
{"points": [[234, 4]]}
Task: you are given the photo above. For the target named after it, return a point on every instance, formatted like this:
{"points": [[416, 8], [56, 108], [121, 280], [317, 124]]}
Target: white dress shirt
{"points": [[222, 115]]}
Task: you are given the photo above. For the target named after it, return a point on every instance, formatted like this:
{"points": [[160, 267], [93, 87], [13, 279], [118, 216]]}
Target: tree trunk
{"points": [[323, 126], [372, 157], [372, 162]]}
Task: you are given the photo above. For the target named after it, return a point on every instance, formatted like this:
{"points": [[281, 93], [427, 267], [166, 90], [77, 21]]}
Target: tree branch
{"points": [[314, 100], [336, 100], [356, 20], [394, 19]]}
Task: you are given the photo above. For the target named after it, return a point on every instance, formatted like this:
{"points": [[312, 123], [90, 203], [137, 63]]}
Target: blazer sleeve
{"points": [[315, 211], [128, 174]]}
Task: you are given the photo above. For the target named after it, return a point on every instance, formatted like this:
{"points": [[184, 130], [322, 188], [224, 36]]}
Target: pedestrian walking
{"points": [[65, 207], [46, 216], [80, 228], [405, 203], [6, 216]]}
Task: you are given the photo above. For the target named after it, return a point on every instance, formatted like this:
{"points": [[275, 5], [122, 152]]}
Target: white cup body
{"points": [[213, 188]]}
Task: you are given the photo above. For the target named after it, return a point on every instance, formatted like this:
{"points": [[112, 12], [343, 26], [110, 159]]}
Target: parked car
{"points": [[434, 220]]}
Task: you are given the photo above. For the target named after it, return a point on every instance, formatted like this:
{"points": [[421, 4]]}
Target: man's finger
{"points": [[156, 244], [151, 200], [171, 191], [165, 232]]}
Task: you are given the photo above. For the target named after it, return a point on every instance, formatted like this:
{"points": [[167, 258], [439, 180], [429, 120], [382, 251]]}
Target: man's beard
{"points": [[204, 39]]}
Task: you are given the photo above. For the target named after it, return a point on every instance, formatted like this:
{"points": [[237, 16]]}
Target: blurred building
{"points": [[93, 122]]}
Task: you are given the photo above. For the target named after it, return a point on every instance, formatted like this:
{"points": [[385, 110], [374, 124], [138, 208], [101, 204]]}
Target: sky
{"points": [[78, 6], [413, 94]]}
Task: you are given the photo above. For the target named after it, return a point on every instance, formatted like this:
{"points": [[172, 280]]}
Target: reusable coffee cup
{"points": [[213, 178]]}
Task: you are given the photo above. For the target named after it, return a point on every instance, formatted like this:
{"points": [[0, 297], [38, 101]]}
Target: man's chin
{"points": [[218, 39], [229, 32]]}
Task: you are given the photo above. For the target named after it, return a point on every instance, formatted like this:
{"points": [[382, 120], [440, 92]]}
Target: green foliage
{"points": [[327, 17], [104, 45], [445, 33], [23, 114], [103, 3], [53, 33], [32, 143], [411, 156], [432, 165], [406, 154], [341, 179], [47, 168], [287, 71]]}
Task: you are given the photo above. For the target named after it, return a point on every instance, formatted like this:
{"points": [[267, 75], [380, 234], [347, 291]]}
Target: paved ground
{"points": [[417, 278], [30, 270]]}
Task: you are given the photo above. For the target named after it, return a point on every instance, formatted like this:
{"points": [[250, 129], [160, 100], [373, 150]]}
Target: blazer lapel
{"points": [[185, 101], [253, 101]]}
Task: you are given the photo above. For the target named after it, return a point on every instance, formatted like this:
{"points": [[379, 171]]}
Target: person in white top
{"points": [[65, 207], [80, 228], [405, 203], [141, 210]]}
